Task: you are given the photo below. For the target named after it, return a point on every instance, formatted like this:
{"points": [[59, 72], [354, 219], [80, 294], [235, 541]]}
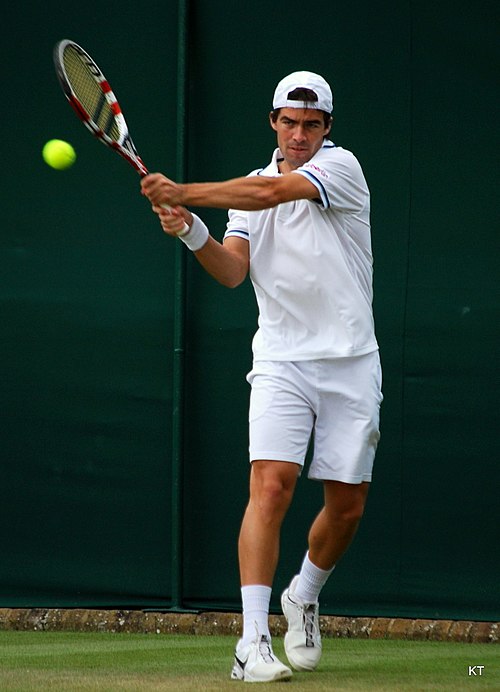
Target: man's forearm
{"points": [[249, 194], [228, 266]]}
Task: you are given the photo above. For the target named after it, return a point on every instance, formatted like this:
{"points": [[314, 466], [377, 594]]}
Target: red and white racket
{"points": [[89, 93]]}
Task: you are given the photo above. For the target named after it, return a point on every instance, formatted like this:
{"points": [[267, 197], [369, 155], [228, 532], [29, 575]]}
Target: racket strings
{"points": [[89, 93]]}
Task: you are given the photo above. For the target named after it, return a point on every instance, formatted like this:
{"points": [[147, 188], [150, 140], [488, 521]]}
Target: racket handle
{"points": [[185, 229]]}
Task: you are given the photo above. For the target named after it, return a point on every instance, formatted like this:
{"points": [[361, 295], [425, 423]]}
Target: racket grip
{"points": [[185, 229]]}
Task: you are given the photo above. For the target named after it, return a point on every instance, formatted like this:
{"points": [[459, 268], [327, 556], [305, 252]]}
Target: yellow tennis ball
{"points": [[58, 154]]}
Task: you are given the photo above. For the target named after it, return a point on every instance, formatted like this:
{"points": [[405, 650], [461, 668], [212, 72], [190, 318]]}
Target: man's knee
{"points": [[272, 486], [346, 503], [351, 514]]}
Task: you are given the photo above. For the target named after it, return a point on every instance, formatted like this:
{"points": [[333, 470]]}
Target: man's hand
{"points": [[161, 190], [163, 195], [172, 220]]}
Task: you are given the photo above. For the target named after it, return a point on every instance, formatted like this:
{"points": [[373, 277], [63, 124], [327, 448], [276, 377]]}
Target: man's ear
{"points": [[272, 123], [329, 127]]}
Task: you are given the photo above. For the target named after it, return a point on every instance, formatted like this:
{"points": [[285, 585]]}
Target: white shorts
{"points": [[335, 402]]}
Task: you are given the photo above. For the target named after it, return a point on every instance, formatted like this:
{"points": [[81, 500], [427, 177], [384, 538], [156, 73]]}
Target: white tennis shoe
{"points": [[303, 639], [257, 662]]}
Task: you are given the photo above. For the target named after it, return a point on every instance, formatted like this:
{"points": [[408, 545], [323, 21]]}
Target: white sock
{"points": [[256, 599], [311, 580]]}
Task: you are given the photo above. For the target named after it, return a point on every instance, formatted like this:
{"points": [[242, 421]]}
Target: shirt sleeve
{"points": [[338, 177], [237, 225]]}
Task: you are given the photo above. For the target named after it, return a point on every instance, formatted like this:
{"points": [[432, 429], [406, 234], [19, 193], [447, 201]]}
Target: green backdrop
{"points": [[123, 467]]}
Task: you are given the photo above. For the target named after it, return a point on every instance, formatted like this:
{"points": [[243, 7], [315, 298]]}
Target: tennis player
{"points": [[300, 227]]}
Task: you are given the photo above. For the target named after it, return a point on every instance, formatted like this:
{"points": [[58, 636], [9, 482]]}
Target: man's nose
{"points": [[299, 134]]}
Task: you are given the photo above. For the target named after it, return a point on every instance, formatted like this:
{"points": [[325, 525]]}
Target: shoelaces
{"points": [[310, 625], [265, 649]]}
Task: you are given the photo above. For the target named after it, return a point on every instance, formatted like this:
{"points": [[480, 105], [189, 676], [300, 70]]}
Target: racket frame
{"points": [[124, 145]]}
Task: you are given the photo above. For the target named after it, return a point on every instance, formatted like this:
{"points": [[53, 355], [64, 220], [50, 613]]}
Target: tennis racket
{"points": [[90, 95]]}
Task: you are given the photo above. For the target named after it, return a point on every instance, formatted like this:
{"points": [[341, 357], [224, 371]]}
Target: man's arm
{"points": [[227, 263], [249, 194]]}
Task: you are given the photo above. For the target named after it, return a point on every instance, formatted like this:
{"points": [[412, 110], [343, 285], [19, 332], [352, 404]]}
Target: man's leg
{"points": [[271, 490], [336, 525], [329, 537], [281, 420], [272, 484]]}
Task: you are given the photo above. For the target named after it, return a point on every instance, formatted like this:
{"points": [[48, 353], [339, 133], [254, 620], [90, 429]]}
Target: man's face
{"points": [[300, 133]]}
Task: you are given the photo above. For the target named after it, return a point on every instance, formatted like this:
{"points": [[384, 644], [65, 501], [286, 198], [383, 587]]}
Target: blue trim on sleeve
{"points": [[315, 181], [238, 233]]}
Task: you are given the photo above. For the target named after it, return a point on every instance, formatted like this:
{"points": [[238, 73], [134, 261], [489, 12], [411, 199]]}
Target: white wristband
{"points": [[196, 237]]}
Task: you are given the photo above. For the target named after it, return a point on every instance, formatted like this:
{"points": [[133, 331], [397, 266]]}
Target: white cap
{"points": [[307, 80]]}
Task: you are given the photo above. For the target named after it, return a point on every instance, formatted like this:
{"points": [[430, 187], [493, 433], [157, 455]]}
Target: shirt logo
{"points": [[319, 170]]}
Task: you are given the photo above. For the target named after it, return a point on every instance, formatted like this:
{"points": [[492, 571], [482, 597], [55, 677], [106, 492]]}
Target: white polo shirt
{"points": [[311, 263]]}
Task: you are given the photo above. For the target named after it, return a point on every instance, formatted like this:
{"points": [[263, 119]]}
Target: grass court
{"points": [[73, 662]]}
